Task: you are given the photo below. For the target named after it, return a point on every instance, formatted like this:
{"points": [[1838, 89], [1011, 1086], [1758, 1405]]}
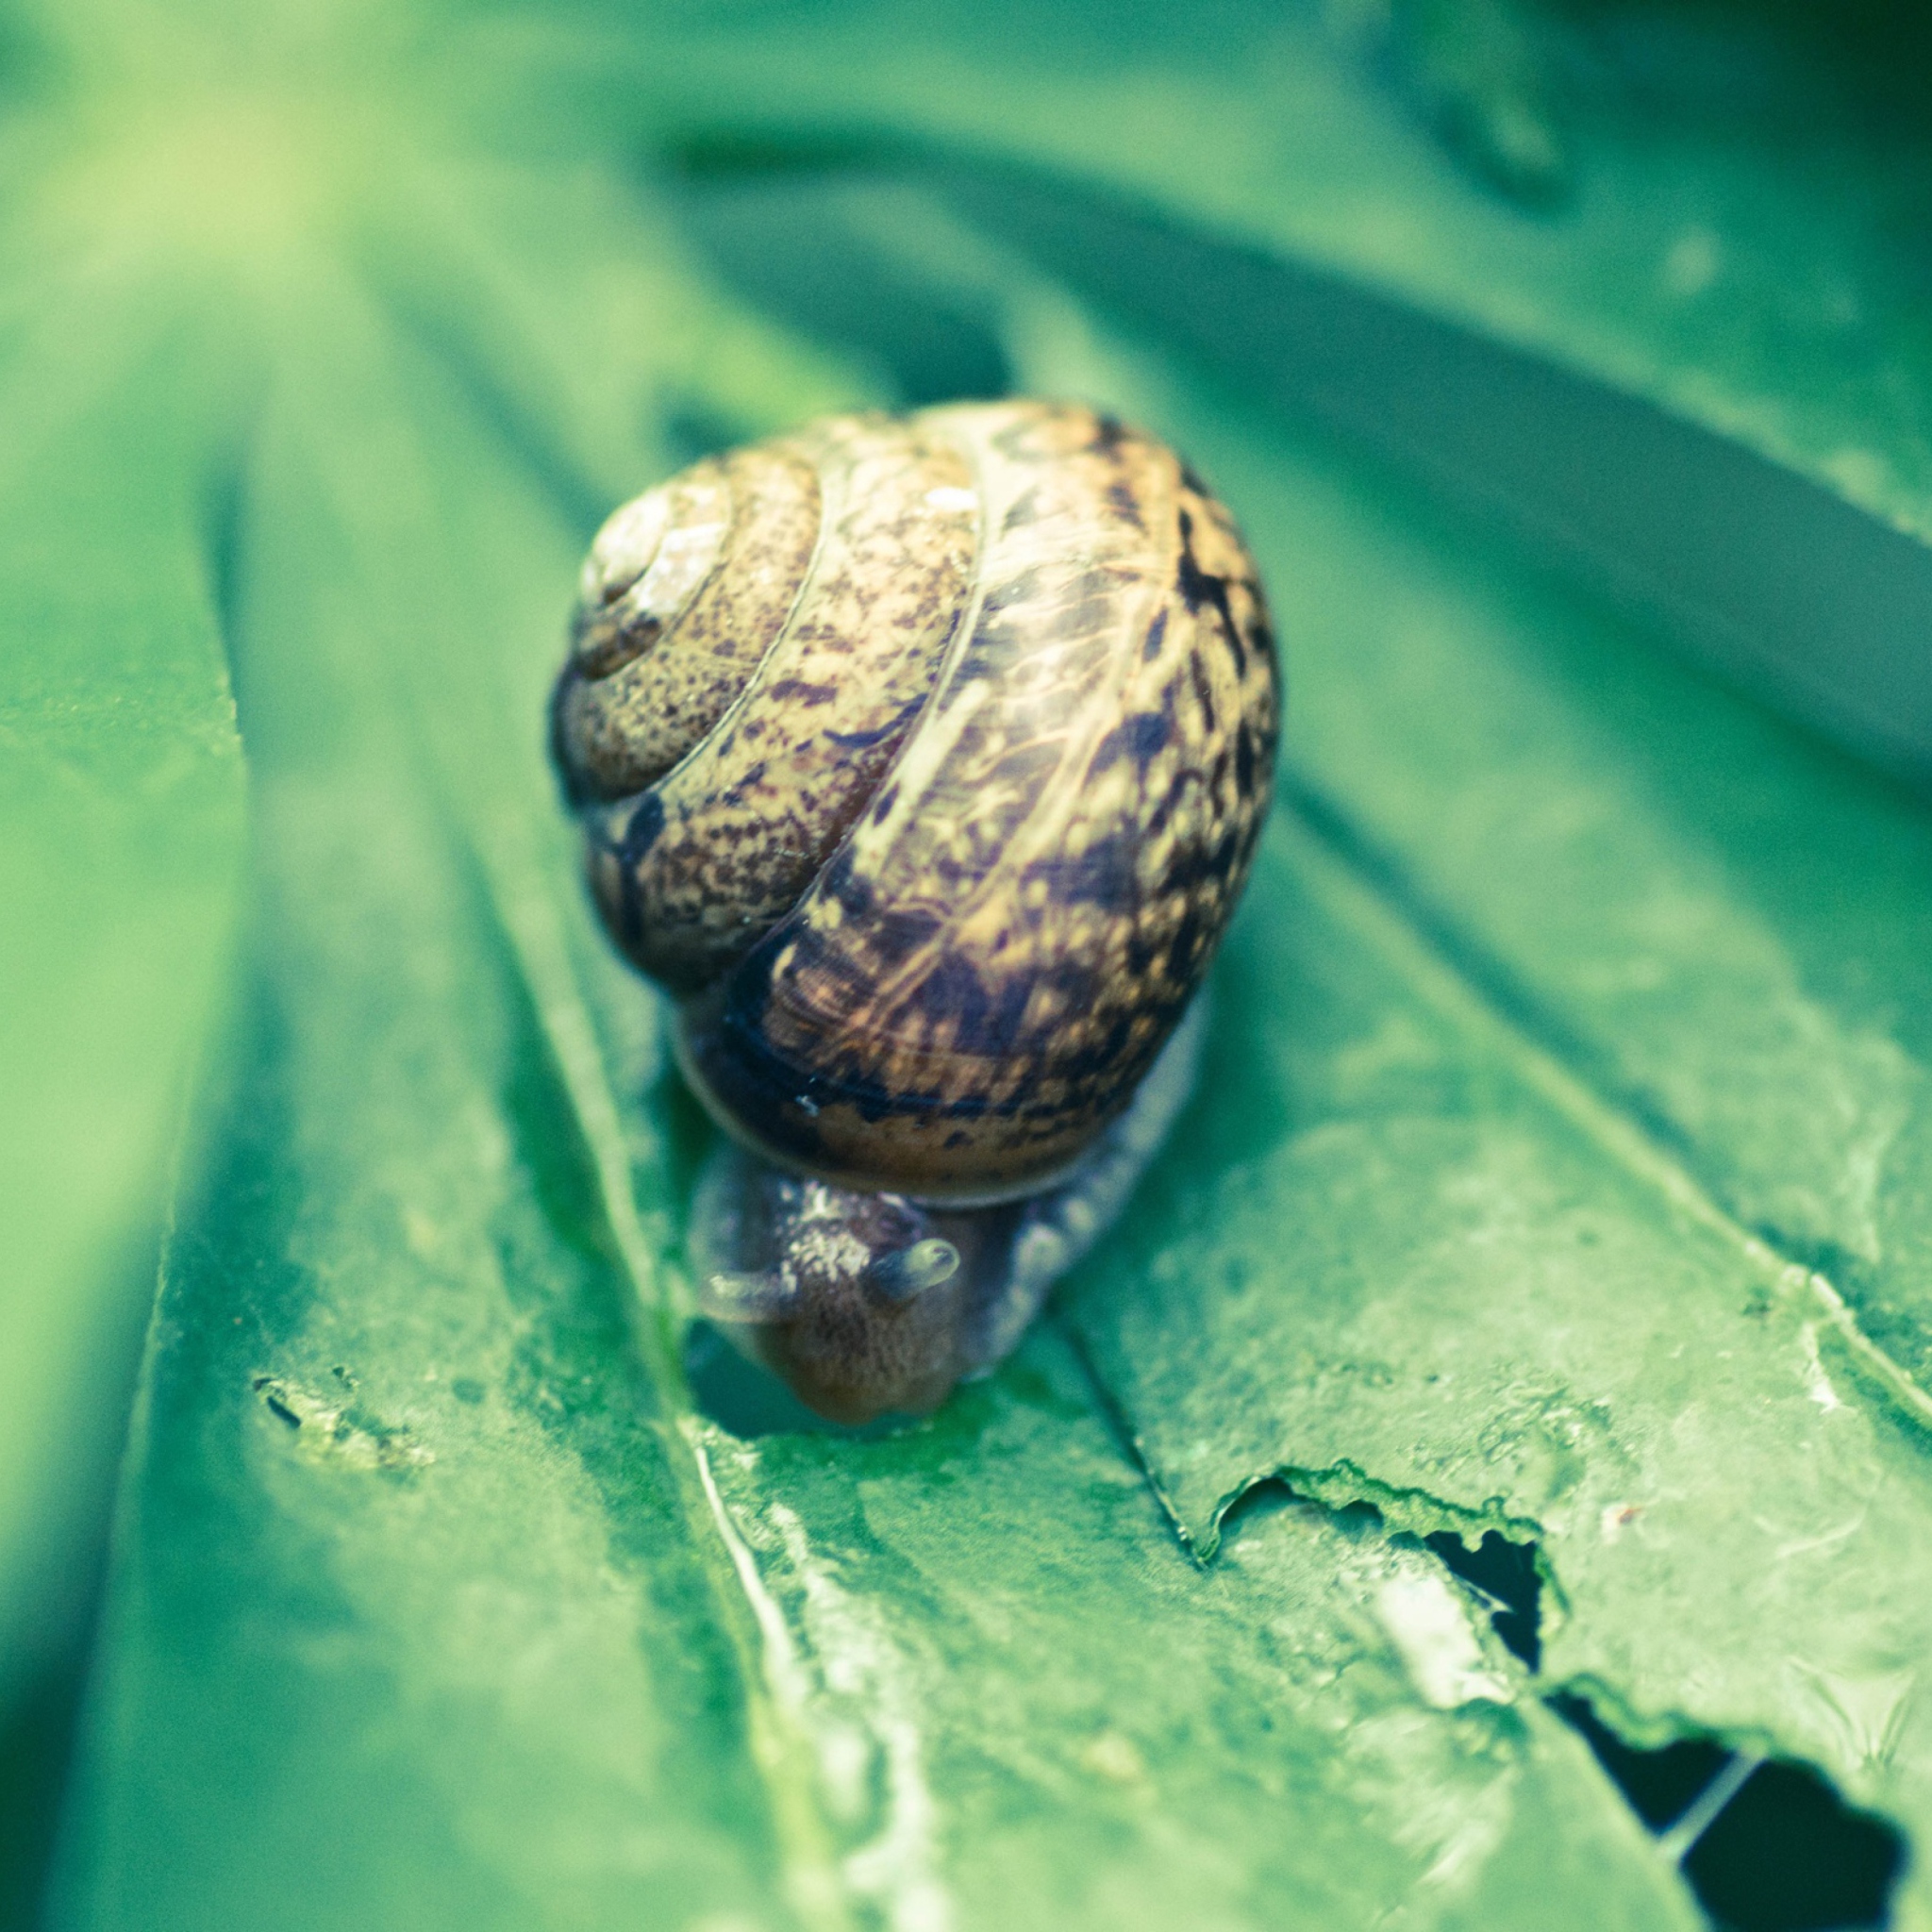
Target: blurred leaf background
{"points": [[1486, 1482]]}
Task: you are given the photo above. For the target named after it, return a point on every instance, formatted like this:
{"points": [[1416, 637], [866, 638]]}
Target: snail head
{"points": [[859, 1302]]}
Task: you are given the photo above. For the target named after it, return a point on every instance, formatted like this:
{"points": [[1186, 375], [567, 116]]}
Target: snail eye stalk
{"points": [[731, 1296], [907, 1272]]}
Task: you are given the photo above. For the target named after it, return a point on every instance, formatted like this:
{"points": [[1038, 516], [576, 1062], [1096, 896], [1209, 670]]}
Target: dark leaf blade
{"points": [[1619, 853], [1718, 548], [1743, 179]]}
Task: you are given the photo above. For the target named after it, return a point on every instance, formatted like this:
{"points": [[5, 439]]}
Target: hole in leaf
{"points": [[1770, 1848], [1661, 1785], [1357, 1521], [1505, 1573], [1788, 1855], [1780, 1850]]}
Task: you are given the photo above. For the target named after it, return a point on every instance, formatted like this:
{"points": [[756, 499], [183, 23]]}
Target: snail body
{"points": [[922, 760]]}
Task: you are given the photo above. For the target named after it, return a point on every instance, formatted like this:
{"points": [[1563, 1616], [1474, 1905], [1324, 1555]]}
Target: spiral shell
{"points": [[922, 759]]}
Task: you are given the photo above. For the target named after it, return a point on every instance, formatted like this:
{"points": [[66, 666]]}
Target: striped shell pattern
{"points": [[922, 759]]}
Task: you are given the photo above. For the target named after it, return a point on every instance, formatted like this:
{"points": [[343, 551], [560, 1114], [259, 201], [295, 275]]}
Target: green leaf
{"points": [[121, 848], [1557, 1171], [437, 1601]]}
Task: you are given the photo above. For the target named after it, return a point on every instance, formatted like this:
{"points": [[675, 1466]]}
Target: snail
{"points": [[921, 759]]}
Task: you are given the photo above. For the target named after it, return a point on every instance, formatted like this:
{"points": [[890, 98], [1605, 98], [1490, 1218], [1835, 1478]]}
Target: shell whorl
{"points": [[922, 759]]}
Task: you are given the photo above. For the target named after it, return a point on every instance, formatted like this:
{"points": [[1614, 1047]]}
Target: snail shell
{"points": [[922, 759]]}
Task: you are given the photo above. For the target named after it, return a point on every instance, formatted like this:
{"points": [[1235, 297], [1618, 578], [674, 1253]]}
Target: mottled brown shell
{"points": [[922, 759]]}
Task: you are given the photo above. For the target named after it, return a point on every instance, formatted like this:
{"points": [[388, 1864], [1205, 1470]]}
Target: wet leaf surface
{"points": [[1556, 1177]]}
